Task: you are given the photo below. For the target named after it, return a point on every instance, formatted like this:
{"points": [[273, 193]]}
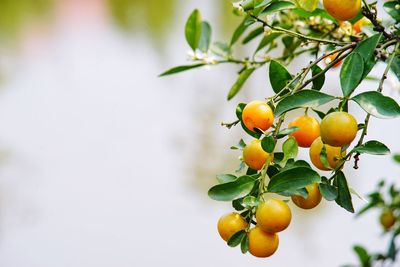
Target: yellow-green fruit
{"points": [[387, 219], [262, 244], [333, 154], [313, 199], [230, 224], [273, 215], [338, 129]]}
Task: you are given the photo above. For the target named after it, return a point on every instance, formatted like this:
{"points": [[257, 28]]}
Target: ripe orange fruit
{"points": [[333, 154], [262, 244], [308, 132], [331, 58], [257, 114], [343, 9], [313, 199], [387, 219], [230, 224], [338, 129], [273, 215], [254, 156]]}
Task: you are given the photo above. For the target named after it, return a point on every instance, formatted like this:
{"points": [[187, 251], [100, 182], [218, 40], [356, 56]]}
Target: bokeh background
{"points": [[102, 163]]}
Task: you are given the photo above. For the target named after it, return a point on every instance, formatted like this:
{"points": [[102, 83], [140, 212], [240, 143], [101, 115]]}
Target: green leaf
{"points": [[221, 49], [180, 69], [378, 105], [193, 29], [250, 202], [232, 190], [290, 150], [363, 255], [278, 76], [302, 99], [244, 246], [205, 39], [253, 34], [366, 49], [307, 5], [344, 196], [226, 178], [278, 6], [266, 40], [239, 31], [323, 156], [268, 144], [395, 67], [318, 82], [397, 158], [329, 192], [373, 148], [351, 73], [390, 8], [236, 239], [293, 179], [287, 131], [243, 76]]}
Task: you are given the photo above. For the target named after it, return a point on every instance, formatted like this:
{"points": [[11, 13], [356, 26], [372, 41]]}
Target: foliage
{"points": [[293, 28]]}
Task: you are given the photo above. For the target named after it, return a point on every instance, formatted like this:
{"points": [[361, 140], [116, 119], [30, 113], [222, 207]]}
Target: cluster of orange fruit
{"points": [[336, 130]]}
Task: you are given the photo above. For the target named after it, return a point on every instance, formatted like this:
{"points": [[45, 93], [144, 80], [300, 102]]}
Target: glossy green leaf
{"points": [[287, 131], [351, 73], [366, 49], [278, 6], [323, 157], [268, 144], [395, 67], [378, 105], [363, 256], [193, 29], [232, 190], [278, 76], [318, 12], [293, 179], [290, 150], [329, 192], [239, 31], [181, 69], [236, 239], [302, 99], [243, 76], [253, 34], [226, 178], [344, 196], [390, 8], [372, 147], [244, 246], [266, 40], [318, 83], [205, 39], [250, 201]]}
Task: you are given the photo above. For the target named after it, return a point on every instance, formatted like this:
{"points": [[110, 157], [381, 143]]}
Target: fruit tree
{"points": [[349, 35]]}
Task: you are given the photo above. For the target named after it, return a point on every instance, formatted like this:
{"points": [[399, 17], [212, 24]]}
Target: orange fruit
{"points": [[313, 199], [257, 114], [338, 129], [333, 154], [254, 156], [343, 9], [230, 224], [262, 244], [308, 132], [273, 215]]}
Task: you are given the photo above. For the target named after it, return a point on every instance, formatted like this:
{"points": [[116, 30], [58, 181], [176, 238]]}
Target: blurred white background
{"points": [[104, 164]]}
